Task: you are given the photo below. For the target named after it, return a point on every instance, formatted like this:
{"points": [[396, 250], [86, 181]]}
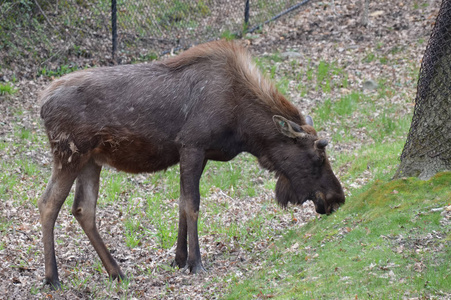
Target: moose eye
{"points": [[318, 158], [315, 157]]}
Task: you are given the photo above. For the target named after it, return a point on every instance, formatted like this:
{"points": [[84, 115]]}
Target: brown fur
{"points": [[238, 62], [209, 103]]}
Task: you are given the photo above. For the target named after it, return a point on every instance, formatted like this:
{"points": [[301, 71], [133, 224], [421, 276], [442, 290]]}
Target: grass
{"points": [[343, 107], [7, 89], [322, 76], [58, 72], [375, 117], [132, 230], [228, 35], [377, 246]]}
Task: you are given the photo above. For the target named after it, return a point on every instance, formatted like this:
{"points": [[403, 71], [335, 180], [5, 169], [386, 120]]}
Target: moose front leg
{"points": [[181, 254], [192, 163]]}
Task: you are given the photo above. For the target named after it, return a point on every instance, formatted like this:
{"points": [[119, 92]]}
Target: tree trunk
{"points": [[428, 147]]}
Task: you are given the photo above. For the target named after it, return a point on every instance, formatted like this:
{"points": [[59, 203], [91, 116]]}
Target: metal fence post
{"points": [[246, 17], [114, 28]]}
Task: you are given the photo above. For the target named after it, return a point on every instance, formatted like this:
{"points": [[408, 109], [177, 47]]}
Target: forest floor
{"points": [[383, 55]]}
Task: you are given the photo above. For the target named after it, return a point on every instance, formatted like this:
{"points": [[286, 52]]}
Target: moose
{"points": [[208, 103]]}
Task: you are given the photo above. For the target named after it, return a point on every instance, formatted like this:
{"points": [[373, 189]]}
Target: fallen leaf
{"points": [[377, 13]]}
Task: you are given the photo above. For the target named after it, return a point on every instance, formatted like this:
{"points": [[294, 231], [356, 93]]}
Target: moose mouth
{"points": [[321, 207], [286, 194]]}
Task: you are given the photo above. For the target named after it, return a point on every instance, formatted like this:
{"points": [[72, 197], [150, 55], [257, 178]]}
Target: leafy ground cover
{"points": [[391, 239]]}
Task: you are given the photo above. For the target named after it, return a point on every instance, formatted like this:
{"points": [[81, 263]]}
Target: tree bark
{"points": [[428, 147]]}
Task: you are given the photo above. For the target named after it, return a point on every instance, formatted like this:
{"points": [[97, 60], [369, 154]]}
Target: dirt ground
{"points": [[330, 31]]}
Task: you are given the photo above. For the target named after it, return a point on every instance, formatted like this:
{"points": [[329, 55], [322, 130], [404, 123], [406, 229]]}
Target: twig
{"points": [[225, 195], [57, 53], [45, 16], [26, 234]]}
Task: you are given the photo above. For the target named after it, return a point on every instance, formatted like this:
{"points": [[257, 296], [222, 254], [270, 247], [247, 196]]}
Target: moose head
{"points": [[303, 168]]}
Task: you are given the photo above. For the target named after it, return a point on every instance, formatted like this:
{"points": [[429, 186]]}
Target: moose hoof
{"points": [[119, 277], [54, 284], [176, 263], [194, 269]]}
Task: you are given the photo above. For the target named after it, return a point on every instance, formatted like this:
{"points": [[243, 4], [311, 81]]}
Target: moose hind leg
{"points": [[49, 205], [84, 210]]}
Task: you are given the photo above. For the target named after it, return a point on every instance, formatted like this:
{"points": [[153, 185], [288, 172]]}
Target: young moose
{"points": [[209, 103]]}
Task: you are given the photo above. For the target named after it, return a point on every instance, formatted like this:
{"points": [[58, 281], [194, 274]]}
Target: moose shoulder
{"points": [[209, 103]]}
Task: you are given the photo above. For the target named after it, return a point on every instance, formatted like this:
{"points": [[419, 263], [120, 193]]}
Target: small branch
{"points": [[26, 234], [45, 16]]}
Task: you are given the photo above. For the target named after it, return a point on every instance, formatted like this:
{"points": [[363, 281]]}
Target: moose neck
{"points": [[260, 136]]}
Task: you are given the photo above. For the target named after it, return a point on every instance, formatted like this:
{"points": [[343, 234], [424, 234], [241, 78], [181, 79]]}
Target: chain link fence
{"points": [[181, 24], [49, 34], [43, 36]]}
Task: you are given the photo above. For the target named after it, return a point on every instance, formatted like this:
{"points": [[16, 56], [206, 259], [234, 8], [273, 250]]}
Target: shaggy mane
{"points": [[239, 62]]}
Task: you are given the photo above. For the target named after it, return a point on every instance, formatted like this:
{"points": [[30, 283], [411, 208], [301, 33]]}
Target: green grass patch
{"points": [[150, 56], [7, 89], [386, 240], [58, 72], [338, 109], [324, 76], [372, 115], [228, 35], [132, 232]]}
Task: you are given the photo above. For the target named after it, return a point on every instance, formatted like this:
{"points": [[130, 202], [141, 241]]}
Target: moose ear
{"points": [[287, 128], [321, 144], [309, 120]]}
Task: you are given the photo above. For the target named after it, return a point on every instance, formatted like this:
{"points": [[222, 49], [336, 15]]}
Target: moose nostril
{"points": [[322, 143], [335, 207]]}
